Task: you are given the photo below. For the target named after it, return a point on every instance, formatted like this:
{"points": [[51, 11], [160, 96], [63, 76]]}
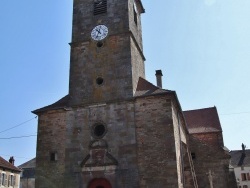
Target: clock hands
{"points": [[99, 32]]}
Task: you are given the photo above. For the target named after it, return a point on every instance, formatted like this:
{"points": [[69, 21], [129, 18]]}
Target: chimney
{"points": [[158, 75], [12, 160], [243, 148]]}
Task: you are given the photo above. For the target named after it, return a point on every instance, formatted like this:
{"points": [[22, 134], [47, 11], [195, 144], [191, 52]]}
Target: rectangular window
{"points": [[100, 7], [11, 180], [243, 176], [14, 180], [248, 176], [2, 179], [245, 186], [135, 16], [5, 180], [53, 156], [193, 156]]}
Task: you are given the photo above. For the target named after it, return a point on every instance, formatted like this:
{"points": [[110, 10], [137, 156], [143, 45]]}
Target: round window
{"points": [[99, 130], [99, 81], [99, 44]]}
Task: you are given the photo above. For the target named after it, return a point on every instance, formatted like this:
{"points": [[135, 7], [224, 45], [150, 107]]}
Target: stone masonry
{"points": [[114, 128]]}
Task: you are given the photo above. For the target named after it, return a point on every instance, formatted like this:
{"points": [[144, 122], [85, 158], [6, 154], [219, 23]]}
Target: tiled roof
{"points": [[202, 120], [145, 88], [7, 165], [238, 158], [63, 102]]}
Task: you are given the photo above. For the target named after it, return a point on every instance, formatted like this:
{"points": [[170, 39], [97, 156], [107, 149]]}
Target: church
{"points": [[115, 129]]}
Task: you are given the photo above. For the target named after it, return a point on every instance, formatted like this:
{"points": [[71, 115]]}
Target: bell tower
{"points": [[106, 50]]}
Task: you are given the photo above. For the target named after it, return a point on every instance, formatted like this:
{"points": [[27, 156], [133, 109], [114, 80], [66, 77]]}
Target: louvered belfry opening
{"points": [[100, 7]]}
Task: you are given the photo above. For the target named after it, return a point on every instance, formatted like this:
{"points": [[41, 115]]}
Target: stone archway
{"points": [[99, 183]]}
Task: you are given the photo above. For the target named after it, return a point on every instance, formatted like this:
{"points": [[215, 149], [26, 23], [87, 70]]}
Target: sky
{"points": [[201, 46]]}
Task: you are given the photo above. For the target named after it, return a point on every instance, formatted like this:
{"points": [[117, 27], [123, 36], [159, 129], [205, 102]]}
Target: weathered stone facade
{"points": [[119, 62], [113, 129]]}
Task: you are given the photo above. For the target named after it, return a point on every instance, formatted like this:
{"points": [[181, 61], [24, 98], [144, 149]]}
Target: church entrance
{"points": [[99, 183]]}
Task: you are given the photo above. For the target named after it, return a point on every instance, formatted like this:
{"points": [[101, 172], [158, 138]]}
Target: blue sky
{"points": [[202, 47]]}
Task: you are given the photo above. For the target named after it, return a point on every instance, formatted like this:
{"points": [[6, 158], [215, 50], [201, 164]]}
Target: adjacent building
{"points": [[240, 161], [27, 179], [210, 156], [9, 174]]}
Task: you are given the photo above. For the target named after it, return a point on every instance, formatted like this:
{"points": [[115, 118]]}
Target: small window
{"points": [[100, 7], [193, 156], [99, 44], [245, 186], [135, 16], [53, 156], [135, 13], [99, 81], [243, 176]]}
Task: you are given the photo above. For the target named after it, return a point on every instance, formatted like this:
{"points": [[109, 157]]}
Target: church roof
{"points": [[62, 103], [7, 165], [145, 88], [240, 158], [202, 120]]}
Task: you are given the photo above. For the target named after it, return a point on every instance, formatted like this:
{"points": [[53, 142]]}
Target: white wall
{"points": [[238, 171], [7, 173]]}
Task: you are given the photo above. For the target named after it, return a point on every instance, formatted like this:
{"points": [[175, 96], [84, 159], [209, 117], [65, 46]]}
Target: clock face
{"points": [[99, 32]]}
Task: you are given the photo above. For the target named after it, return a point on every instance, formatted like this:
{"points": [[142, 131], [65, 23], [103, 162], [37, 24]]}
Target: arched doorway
{"points": [[99, 183]]}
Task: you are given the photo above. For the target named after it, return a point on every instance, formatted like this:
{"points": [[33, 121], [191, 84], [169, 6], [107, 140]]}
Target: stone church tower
{"points": [[114, 128]]}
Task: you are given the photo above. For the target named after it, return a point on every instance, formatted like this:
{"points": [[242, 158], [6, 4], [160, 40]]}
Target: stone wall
{"points": [[120, 138], [210, 161], [119, 62], [156, 142], [70, 134], [51, 139]]}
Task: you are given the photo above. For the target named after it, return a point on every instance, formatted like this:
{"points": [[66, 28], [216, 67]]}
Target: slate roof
{"points": [[29, 164], [62, 103], [202, 120], [238, 158], [7, 165], [28, 169]]}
